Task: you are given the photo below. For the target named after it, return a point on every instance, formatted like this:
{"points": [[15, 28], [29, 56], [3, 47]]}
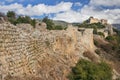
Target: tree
{"points": [[23, 19], [50, 24], [11, 17], [33, 22], [95, 30], [11, 14]]}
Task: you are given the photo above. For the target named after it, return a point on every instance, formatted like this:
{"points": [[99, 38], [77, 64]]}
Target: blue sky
{"points": [[66, 10], [47, 2]]}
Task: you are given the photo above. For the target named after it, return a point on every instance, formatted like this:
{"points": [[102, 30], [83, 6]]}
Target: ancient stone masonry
{"points": [[96, 20], [46, 54]]}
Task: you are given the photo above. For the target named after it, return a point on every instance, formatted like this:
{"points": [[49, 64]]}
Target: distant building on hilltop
{"points": [[108, 30], [103, 21], [96, 20]]}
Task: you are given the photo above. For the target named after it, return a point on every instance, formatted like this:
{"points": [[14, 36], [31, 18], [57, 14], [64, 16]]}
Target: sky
{"points": [[65, 10]]}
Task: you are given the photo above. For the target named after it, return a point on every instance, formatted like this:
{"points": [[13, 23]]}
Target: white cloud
{"points": [[78, 4], [36, 10], [105, 2], [71, 16], [12, 7], [93, 9]]}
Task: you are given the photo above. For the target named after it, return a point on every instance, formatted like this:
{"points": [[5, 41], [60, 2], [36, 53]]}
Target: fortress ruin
{"points": [[96, 20], [45, 54]]}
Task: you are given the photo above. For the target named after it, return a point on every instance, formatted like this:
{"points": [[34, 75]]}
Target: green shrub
{"points": [[86, 70], [93, 25], [52, 26], [110, 38], [11, 14], [95, 30], [59, 27], [96, 43], [101, 34]]}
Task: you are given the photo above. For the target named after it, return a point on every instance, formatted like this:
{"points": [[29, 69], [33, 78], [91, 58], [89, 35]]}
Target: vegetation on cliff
{"points": [[112, 46], [13, 18], [52, 26], [109, 49], [86, 70], [95, 27], [114, 40]]}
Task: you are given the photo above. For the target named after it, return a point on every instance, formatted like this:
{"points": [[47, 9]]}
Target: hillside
{"points": [[62, 23], [116, 26]]}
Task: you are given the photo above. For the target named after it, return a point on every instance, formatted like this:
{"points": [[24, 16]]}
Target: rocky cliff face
{"points": [[48, 55]]}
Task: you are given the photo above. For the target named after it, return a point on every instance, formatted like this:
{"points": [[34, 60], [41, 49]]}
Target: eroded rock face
{"points": [[48, 55]]}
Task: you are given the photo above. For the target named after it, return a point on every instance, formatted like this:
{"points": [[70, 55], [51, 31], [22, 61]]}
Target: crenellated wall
{"points": [[46, 54]]}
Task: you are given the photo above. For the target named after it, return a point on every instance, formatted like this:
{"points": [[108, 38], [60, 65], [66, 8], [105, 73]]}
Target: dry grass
{"points": [[90, 55]]}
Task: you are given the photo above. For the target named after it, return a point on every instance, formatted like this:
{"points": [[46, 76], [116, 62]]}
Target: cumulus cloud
{"points": [[105, 2], [71, 16], [36, 10], [94, 8], [12, 7]]}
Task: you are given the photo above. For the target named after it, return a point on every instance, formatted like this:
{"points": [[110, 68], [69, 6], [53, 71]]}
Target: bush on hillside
{"points": [[101, 34], [110, 38], [86, 70], [25, 19], [95, 30], [11, 14], [93, 25], [52, 26]]}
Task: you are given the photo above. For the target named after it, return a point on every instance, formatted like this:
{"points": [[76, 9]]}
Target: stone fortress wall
{"points": [[47, 54], [96, 20], [108, 30]]}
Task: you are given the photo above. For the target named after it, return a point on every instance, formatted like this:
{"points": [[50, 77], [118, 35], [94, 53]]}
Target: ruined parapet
{"points": [[104, 31], [86, 38], [82, 30], [41, 26], [25, 28], [109, 27], [2, 20], [104, 21]]}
